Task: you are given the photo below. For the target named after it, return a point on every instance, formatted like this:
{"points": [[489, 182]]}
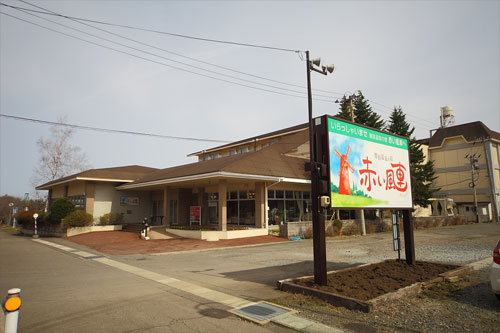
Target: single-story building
{"points": [[246, 184]]}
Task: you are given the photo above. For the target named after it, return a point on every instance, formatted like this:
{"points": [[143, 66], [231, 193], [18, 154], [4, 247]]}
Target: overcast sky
{"points": [[420, 55]]}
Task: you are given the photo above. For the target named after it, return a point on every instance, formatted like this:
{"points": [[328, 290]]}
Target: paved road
{"points": [[62, 292], [65, 292]]}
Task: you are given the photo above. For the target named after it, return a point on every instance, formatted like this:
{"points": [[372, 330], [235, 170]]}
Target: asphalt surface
{"points": [[63, 292]]}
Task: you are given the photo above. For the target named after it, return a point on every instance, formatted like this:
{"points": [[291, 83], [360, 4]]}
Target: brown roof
{"points": [[252, 139], [471, 131], [270, 161], [122, 174]]}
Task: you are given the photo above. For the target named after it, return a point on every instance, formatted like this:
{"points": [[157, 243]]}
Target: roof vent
{"points": [[447, 118]]}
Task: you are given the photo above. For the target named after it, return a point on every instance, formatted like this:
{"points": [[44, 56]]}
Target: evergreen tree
{"points": [[363, 113], [422, 174]]}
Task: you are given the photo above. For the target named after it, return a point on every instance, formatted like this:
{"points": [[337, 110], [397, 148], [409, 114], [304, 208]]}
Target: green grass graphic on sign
{"points": [[340, 200]]}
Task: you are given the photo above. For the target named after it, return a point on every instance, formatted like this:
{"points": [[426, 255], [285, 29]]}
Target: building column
{"points": [[260, 204], [222, 205], [89, 198], [166, 216]]}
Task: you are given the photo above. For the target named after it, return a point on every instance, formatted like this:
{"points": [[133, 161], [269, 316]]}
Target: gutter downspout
{"points": [[491, 173]]}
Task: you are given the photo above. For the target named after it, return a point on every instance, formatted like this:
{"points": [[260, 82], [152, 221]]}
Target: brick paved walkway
{"points": [[120, 242]]}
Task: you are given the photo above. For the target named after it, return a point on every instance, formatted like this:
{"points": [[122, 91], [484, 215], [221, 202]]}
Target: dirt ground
{"points": [[368, 282]]}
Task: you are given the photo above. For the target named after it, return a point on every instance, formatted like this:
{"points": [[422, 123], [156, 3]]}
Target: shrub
{"points": [[60, 209], [351, 229], [308, 233], [337, 224], [111, 218], [25, 218], [371, 228], [330, 231], [78, 218], [383, 226]]}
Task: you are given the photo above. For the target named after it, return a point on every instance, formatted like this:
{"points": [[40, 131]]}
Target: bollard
{"points": [[144, 232], [35, 216], [11, 307]]}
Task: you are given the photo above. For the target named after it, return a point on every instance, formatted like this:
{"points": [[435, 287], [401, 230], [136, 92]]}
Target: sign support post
{"points": [[409, 240]]}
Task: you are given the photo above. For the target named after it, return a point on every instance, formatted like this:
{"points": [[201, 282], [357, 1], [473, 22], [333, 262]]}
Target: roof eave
{"points": [[217, 174], [51, 185]]}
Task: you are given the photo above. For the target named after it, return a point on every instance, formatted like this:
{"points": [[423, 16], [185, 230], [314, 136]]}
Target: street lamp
{"points": [[318, 219], [11, 212]]}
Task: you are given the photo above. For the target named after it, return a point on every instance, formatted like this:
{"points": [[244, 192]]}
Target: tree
{"points": [[422, 174], [58, 158], [363, 113], [20, 204]]}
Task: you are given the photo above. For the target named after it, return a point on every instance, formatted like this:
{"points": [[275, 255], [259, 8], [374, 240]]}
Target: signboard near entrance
{"points": [[195, 214], [367, 168], [129, 201]]}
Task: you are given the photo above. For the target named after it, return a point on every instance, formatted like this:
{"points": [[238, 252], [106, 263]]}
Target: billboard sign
{"points": [[368, 168]]}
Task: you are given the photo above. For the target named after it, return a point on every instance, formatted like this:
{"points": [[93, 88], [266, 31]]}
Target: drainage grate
{"points": [[260, 312], [93, 257]]}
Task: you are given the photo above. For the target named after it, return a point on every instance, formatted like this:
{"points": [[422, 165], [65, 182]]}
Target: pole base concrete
{"points": [[35, 236]]}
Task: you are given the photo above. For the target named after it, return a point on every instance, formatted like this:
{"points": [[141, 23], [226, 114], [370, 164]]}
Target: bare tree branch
{"points": [[58, 158]]}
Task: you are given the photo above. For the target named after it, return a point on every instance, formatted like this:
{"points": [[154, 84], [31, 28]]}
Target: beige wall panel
{"points": [[495, 157], [453, 141], [438, 158], [76, 188], [107, 199], [89, 198], [157, 195], [290, 186], [58, 192]]}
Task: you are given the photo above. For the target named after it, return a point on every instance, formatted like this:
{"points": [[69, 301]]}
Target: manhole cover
{"points": [[260, 312]]}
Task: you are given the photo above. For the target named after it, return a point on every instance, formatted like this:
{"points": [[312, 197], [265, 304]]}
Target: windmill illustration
{"points": [[344, 186]]}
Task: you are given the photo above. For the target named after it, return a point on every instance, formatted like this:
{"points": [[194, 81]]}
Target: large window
{"points": [[213, 210], [78, 201], [241, 207], [173, 211], [288, 206]]}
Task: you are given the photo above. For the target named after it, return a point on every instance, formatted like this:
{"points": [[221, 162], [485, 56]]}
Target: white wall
{"points": [[107, 199]]}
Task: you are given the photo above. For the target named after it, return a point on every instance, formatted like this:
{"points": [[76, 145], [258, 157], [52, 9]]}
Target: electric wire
{"points": [[75, 19], [48, 11], [160, 63], [109, 130], [168, 59], [167, 33]]}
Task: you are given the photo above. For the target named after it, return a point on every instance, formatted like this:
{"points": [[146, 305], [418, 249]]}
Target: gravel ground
{"points": [[465, 306]]}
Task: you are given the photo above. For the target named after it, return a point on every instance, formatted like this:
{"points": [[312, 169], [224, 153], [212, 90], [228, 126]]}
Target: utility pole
{"points": [[361, 211], [318, 220], [473, 159]]}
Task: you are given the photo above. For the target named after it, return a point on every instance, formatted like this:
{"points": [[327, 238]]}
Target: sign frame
{"points": [[195, 215], [323, 135]]}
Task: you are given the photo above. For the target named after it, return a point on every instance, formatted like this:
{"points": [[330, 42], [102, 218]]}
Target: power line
{"points": [[75, 19], [165, 58], [108, 130], [49, 12], [81, 20], [157, 62], [163, 32]]}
